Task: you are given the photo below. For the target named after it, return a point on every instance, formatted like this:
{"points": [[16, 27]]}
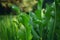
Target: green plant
{"points": [[38, 25]]}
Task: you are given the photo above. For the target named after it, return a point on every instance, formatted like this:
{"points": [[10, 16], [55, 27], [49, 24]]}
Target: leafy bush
{"points": [[38, 25]]}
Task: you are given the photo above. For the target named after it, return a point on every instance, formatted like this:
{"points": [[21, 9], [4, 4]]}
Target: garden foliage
{"points": [[38, 25]]}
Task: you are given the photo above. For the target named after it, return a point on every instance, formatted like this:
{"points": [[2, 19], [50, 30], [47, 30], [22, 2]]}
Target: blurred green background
{"points": [[29, 24]]}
